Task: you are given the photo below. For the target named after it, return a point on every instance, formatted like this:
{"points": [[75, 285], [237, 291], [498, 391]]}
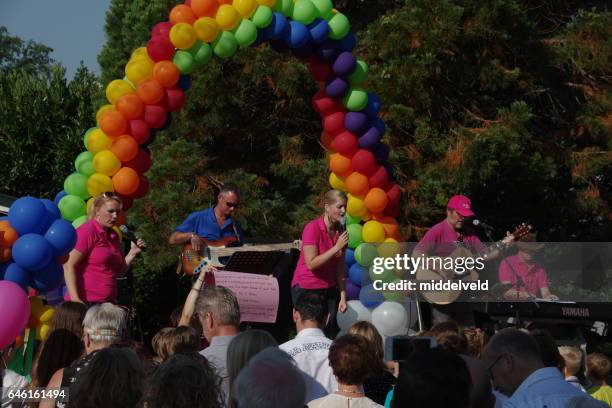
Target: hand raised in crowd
{"points": [[342, 241], [342, 306]]}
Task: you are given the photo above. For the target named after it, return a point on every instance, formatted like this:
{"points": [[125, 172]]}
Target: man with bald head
{"points": [[514, 362]]}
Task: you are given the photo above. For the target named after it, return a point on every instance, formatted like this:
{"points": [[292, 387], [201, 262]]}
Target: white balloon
{"points": [[390, 318], [355, 312]]}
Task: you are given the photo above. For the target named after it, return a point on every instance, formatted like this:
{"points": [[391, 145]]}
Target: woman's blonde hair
{"points": [[375, 342], [333, 196], [99, 201]]}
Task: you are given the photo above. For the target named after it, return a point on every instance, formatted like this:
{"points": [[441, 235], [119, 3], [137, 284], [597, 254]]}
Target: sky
{"points": [[73, 28]]}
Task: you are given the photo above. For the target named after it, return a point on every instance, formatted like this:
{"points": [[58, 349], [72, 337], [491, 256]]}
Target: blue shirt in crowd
{"points": [[204, 223]]}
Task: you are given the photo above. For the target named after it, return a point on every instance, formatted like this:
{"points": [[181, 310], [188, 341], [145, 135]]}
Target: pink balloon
{"points": [[15, 310]]}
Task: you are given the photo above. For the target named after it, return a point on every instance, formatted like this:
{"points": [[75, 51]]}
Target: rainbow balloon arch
{"points": [[39, 234]]}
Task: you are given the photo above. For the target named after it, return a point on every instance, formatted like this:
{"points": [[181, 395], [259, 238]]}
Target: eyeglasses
{"points": [[109, 194], [230, 204]]}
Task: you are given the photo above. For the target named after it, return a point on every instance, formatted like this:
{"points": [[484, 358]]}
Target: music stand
{"points": [[259, 262]]}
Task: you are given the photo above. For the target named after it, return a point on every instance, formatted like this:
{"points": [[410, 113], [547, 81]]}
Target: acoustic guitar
{"points": [[211, 251], [445, 297]]}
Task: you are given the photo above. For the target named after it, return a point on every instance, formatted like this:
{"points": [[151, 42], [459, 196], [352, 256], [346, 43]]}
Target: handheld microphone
{"points": [[129, 235], [478, 223]]}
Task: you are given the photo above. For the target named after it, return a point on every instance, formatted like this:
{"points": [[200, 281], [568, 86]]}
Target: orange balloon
{"points": [[150, 91], [125, 148], [126, 181], [224, 1], [326, 140], [113, 123], [166, 73], [357, 184], [341, 165], [390, 225], [376, 200], [182, 14], [204, 8], [8, 235], [5, 254], [129, 105]]}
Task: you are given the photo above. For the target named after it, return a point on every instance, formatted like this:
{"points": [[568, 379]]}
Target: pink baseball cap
{"points": [[461, 204]]}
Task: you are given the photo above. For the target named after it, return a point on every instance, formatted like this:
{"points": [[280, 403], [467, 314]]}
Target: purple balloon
{"points": [[352, 291], [319, 30], [356, 122], [381, 153], [336, 87], [344, 64], [55, 296], [370, 138], [15, 312]]}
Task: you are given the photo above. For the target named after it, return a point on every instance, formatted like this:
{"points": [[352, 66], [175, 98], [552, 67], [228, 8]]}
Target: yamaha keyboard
{"points": [[553, 312]]}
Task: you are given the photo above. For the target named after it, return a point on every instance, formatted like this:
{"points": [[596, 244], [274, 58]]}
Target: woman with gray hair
{"points": [[103, 325]]}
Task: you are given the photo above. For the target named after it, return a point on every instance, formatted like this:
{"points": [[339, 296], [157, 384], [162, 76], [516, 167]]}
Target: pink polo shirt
{"points": [[442, 239], [102, 263], [533, 275], [315, 233]]}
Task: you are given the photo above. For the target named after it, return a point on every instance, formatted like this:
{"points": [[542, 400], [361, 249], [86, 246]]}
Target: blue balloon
{"points": [[349, 256], [277, 28], [319, 30], [59, 196], [17, 274], [373, 106], [356, 273], [55, 296], [32, 252], [53, 213], [28, 215], [370, 297], [261, 38], [297, 36], [184, 82], [62, 237], [327, 51], [48, 278], [347, 43]]}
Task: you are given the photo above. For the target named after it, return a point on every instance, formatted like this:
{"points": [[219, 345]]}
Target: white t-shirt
{"points": [[10, 379], [340, 401], [309, 349]]}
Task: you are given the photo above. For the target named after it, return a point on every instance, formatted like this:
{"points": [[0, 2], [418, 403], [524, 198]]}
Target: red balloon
{"points": [[160, 48], [139, 130], [174, 99], [379, 178], [364, 162], [392, 210], [142, 161], [154, 116], [345, 143], [334, 123], [161, 29], [126, 202], [323, 104], [394, 193], [143, 188], [320, 71]]}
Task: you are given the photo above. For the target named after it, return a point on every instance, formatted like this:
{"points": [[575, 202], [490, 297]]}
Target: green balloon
{"points": [[184, 62], [201, 52], [355, 99], [262, 17], [360, 74], [304, 11], [246, 33], [365, 254], [225, 45], [79, 221], [352, 220], [284, 6], [338, 26], [81, 158], [76, 184], [86, 135], [387, 275], [324, 8], [72, 207], [354, 232]]}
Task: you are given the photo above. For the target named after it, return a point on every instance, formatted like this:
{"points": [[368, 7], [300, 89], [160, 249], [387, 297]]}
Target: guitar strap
{"points": [[235, 230]]}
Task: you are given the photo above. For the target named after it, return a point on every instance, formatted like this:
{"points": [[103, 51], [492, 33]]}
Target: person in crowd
{"points": [[184, 380], [381, 378], [320, 267], [548, 348], [481, 395], [142, 352], [96, 261], [10, 380], [310, 348], [219, 314], [63, 344], [515, 364], [103, 325], [112, 379], [527, 277], [572, 361], [351, 363], [597, 370], [169, 341], [476, 340], [160, 345], [270, 379], [242, 348], [433, 378]]}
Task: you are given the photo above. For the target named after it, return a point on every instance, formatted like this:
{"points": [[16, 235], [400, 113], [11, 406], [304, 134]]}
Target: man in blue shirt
{"points": [[213, 223]]}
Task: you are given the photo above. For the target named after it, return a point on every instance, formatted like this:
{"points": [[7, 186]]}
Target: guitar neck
{"points": [[258, 248]]}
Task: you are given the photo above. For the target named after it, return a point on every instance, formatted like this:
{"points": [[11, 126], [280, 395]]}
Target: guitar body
{"points": [[190, 258]]}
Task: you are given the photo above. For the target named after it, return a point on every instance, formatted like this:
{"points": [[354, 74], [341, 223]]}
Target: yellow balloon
{"points": [[47, 314], [106, 162], [141, 52], [355, 206], [117, 88], [99, 183], [90, 203], [98, 141], [138, 69], [206, 28], [42, 332], [36, 306], [246, 8], [183, 36], [227, 17], [101, 111], [268, 3], [373, 231], [336, 182], [388, 248]]}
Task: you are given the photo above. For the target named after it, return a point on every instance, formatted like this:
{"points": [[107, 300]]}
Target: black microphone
{"points": [[478, 223], [129, 235]]}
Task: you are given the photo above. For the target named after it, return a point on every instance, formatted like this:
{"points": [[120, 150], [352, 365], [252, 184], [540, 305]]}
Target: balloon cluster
{"points": [[390, 318], [40, 317]]}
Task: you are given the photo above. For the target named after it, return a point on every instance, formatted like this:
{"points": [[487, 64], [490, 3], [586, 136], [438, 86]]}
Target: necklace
{"points": [[351, 391]]}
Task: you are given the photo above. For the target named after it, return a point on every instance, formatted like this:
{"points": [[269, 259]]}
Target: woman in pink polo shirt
{"points": [[321, 265], [96, 261]]}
